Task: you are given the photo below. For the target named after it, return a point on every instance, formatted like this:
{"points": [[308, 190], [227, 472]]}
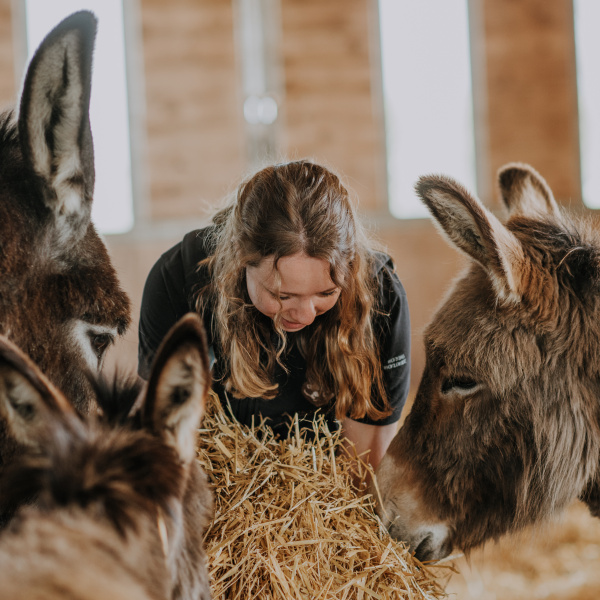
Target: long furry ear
{"points": [[476, 231], [29, 403], [54, 125], [178, 385], [525, 192]]}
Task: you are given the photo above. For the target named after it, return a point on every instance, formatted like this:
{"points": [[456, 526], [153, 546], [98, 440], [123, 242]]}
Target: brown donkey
{"points": [[60, 300], [120, 510], [505, 427]]}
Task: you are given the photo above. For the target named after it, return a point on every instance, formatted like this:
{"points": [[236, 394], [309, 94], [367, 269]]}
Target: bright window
{"points": [[427, 96], [587, 17], [112, 211]]}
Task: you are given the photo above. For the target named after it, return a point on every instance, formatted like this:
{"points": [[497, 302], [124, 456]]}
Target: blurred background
{"points": [[191, 96]]}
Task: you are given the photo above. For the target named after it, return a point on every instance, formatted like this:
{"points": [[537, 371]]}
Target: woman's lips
{"points": [[289, 325]]}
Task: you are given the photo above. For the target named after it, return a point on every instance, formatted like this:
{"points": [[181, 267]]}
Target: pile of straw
{"points": [[289, 524]]}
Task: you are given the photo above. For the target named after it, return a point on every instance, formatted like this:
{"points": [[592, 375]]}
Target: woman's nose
{"points": [[304, 313]]}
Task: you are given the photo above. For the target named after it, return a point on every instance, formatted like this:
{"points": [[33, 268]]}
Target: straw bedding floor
{"points": [[557, 561], [288, 523]]}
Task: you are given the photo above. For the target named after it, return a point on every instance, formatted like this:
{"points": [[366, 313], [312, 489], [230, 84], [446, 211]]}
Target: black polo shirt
{"points": [[170, 292]]}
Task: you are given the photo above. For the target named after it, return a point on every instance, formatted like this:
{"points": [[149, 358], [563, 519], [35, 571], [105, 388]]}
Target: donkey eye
{"points": [[100, 342], [462, 384], [26, 410]]}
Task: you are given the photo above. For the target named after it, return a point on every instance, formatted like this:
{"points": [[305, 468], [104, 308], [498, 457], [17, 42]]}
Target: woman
{"points": [[301, 314]]}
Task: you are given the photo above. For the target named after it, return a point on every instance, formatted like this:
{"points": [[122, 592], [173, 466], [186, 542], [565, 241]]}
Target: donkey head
{"points": [[504, 429], [60, 300], [133, 475]]}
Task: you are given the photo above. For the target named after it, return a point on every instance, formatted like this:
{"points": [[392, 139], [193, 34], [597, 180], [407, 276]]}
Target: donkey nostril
{"points": [[424, 551], [433, 545]]}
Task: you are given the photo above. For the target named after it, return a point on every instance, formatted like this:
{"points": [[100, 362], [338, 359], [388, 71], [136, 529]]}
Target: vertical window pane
{"points": [[258, 29], [112, 211], [587, 45], [427, 96]]}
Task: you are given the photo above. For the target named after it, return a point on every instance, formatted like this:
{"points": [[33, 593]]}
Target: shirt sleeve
{"points": [[391, 325], [164, 302]]}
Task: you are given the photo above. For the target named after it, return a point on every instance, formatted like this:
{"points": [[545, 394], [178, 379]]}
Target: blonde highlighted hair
{"points": [[286, 209]]}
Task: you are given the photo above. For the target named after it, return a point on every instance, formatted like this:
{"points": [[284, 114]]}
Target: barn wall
{"points": [[193, 147], [525, 91], [333, 114], [7, 55], [193, 127]]}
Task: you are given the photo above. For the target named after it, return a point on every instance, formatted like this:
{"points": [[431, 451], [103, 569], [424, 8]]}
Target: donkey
{"points": [[505, 426], [60, 300], [120, 507]]}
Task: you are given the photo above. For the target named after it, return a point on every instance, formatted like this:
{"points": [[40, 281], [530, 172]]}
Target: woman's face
{"points": [[306, 291]]}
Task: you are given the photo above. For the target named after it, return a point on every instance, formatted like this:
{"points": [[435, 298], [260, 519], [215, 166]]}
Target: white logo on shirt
{"points": [[394, 363]]}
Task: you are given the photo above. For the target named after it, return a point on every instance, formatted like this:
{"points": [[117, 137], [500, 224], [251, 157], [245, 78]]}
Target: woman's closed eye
{"points": [[278, 296], [282, 297]]}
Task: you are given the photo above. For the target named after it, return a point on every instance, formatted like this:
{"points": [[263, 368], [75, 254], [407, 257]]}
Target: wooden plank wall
{"points": [[8, 86], [194, 128], [331, 114], [526, 90]]}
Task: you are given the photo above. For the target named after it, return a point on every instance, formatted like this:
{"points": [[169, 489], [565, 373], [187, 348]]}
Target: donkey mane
{"points": [[573, 244], [8, 133], [115, 397], [562, 299], [15, 172], [117, 473]]}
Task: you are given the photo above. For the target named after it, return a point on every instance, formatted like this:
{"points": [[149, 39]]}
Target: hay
{"points": [[288, 523]]}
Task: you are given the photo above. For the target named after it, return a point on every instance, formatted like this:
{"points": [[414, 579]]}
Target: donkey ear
{"points": [[54, 125], [178, 385], [28, 401], [525, 191], [474, 230]]}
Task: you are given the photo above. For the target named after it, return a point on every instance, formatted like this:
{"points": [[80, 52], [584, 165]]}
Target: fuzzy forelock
{"points": [[116, 397], [8, 132], [115, 474]]}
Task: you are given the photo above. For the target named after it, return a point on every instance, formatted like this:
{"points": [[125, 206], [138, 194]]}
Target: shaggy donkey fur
{"points": [[505, 428], [60, 300], [119, 510]]}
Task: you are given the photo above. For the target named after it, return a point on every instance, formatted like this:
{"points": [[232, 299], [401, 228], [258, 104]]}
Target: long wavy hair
{"points": [[296, 208]]}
